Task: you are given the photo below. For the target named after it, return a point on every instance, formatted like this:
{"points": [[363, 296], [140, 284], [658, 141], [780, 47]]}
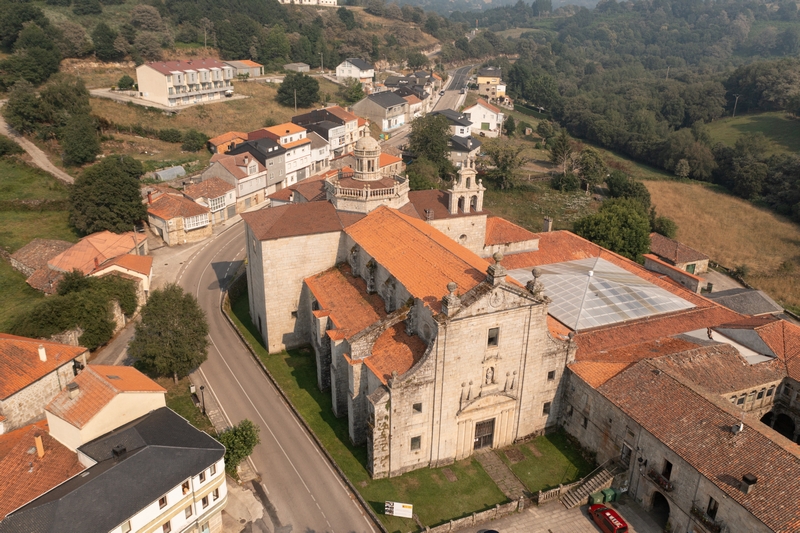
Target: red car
{"points": [[607, 519]]}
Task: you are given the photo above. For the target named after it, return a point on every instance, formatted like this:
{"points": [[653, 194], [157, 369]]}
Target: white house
{"points": [[487, 120], [246, 173], [357, 69], [216, 194], [179, 83], [294, 140]]}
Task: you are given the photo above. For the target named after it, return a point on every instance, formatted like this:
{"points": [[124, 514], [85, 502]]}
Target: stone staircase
{"points": [[599, 479]]}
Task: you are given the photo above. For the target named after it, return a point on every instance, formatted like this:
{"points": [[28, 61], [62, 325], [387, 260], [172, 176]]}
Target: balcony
{"points": [[706, 521], [660, 480]]}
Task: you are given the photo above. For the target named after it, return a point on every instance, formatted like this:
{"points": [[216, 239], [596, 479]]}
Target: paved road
{"points": [[37, 156], [305, 494]]}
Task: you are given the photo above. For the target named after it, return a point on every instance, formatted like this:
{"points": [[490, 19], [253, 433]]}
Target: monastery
{"points": [[439, 330]]}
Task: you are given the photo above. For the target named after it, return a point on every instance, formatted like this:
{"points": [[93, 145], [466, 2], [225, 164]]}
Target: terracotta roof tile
{"points": [[487, 105], [554, 247], [344, 298], [395, 351], [343, 114], [674, 251], [436, 201], [20, 364], [293, 220], [595, 373], [287, 128], [102, 246], [38, 252], [45, 279], [227, 138], [501, 231], [696, 428], [411, 99], [98, 386], [166, 67], [235, 164], [249, 63], [169, 206], [388, 159], [26, 475], [210, 188], [143, 264], [783, 338], [423, 259]]}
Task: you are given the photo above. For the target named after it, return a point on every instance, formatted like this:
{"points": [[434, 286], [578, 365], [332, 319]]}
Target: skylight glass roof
{"points": [[593, 292]]}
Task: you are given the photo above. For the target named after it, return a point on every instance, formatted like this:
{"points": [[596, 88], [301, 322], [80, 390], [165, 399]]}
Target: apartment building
{"points": [[181, 83], [294, 140]]}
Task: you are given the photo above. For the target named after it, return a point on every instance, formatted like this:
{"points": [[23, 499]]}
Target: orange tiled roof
{"points": [[487, 105], [554, 247], [696, 428], [169, 206], [102, 246], [437, 201], [783, 338], [143, 264], [395, 351], [423, 259], [20, 364], [362, 122], [38, 252], [411, 99], [45, 279], [673, 250], [287, 128], [342, 113], [227, 138], [501, 231], [294, 220], [235, 164], [26, 475], [99, 385], [388, 159], [249, 63], [298, 142], [595, 373], [344, 298], [210, 188]]}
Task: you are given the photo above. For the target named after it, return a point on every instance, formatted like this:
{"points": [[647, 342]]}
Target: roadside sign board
{"points": [[404, 510]]}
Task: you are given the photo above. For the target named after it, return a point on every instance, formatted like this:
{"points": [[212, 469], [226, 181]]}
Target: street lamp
{"points": [[203, 398], [734, 104]]}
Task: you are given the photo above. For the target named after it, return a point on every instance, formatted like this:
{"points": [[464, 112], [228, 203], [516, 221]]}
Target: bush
{"points": [[665, 226], [239, 442], [9, 147], [79, 140], [565, 182], [126, 83], [194, 140], [170, 135], [621, 226]]}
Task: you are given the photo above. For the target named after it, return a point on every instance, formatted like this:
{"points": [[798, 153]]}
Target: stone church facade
{"points": [[428, 348]]}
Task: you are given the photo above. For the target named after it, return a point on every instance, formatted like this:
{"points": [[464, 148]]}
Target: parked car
{"points": [[608, 520], [441, 93]]}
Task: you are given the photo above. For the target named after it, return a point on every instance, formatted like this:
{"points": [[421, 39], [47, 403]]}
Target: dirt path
{"points": [[39, 158]]}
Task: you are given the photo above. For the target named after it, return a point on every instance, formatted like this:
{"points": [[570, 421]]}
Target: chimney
{"points": [[429, 214], [73, 389], [469, 143], [42, 353], [246, 159], [39, 445], [710, 287], [149, 197], [119, 452], [748, 482], [548, 224], [96, 263]]}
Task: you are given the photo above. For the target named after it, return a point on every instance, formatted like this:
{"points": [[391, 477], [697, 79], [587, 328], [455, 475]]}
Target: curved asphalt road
{"points": [[304, 492]]}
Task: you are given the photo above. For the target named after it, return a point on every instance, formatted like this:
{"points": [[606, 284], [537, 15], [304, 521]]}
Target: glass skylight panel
{"points": [[594, 292]]}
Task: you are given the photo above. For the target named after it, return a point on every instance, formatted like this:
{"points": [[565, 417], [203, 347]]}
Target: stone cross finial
{"points": [[496, 272], [536, 287], [451, 301]]}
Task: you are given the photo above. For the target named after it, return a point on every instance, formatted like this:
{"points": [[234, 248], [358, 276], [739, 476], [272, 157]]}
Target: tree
{"points": [[146, 18], [561, 151], [423, 174], [622, 186], [106, 196], [87, 7], [73, 40], [510, 126], [125, 82], [591, 168], [506, 159], [304, 87], [347, 17], [682, 168], [665, 226], [24, 111], [194, 141], [239, 442], [621, 225], [417, 60], [352, 91], [172, 336], [103, 38], [148, 44], [428, 138], [79, 140]]}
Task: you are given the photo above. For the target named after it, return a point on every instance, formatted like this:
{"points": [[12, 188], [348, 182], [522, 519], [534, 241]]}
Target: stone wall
{"points": [[690, 281], [468, 231], [498, 511], [28, 404]]}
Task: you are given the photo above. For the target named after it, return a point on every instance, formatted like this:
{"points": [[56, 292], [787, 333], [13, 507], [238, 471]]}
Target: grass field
{"points": [[179, 399], [555, 461], [17, 228], [527, 205], [782, 132], [214, 119], [735, 232], [155, 154], [435, 499]]}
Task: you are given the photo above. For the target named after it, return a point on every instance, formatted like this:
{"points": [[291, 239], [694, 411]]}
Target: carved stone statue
{"points": [[490, 375]]}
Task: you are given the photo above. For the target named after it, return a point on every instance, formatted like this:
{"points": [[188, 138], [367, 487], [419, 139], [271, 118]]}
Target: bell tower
{"points": [[368, 159], [466, 193]]}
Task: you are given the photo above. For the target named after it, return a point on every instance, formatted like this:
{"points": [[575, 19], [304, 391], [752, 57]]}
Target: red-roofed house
{"points": [[100, 399], [221, 144], [136, 267], [216, 194], [487, 120], [179, 220], [246, 173], [32, 372], [182, 83]]}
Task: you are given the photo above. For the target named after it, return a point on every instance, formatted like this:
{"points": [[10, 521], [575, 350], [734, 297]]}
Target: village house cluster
{"points": [[439, 329], [72, 435]]}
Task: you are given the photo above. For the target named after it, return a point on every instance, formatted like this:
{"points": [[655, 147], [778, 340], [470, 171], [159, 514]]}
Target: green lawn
{"points": [[435, 499], [17, 296], [527, 205], [23, 182], [782, 132], [560, 462], [179, 399]]}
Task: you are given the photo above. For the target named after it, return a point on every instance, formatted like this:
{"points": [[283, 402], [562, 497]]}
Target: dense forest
{"points": [[645, 78]]}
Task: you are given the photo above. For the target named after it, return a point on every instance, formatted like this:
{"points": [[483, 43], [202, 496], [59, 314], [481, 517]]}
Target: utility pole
{"points": [[295, 100], [321, 63], [735, 102]]}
